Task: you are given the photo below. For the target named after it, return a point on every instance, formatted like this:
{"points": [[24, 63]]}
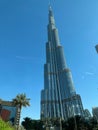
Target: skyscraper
{"points": [[58, 98]]}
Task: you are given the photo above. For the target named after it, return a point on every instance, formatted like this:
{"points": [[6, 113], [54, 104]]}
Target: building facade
{"points": [[96, 47], [58, 98], [95, 113], [8, 111], [87, 114]]}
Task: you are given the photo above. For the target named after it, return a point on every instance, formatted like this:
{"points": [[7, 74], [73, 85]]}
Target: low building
{"points": [[8, 111]]}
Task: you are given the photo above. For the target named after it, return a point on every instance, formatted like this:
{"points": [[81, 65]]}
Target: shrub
{"points": [[5, 125]]}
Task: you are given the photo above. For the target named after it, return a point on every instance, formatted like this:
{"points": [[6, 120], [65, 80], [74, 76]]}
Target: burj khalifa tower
{"points": [[58, 98]]}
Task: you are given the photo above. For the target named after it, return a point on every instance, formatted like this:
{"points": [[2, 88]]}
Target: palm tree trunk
{"points": [[18, 117]]}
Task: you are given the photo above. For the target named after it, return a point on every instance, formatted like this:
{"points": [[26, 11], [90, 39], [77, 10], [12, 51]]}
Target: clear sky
{"points": [[23, 35]]}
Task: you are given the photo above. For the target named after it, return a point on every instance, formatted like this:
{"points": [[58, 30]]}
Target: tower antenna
{"points": [[50, 3]]}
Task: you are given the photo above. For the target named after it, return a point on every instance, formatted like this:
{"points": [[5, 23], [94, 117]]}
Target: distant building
{"points": [[87, 114], [96, 47], [8, 111], [95, 113]]}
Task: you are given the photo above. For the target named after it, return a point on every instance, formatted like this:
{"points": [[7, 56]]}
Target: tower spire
{"points": [[50, 11], [51, 17], [49, 4], [50, 7]]}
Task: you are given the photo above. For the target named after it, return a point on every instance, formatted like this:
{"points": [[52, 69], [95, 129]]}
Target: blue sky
{"points": [[23, 35]]}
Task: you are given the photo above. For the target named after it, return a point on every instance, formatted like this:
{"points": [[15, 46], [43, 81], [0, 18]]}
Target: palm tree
{"points": [[20, 101]]}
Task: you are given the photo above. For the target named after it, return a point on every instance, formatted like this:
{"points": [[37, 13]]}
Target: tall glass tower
{"points": [[58, 98]]}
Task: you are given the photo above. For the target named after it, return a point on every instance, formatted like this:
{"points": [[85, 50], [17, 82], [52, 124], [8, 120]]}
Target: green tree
{"points": [[30, 124], [27, 123], [21, 101], [81, 122]]}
